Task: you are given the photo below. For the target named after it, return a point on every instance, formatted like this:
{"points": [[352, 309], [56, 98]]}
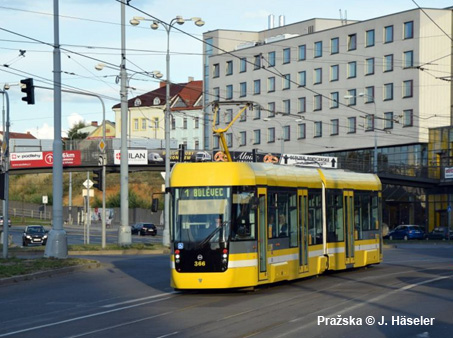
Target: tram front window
{"points": [[201, 215]]}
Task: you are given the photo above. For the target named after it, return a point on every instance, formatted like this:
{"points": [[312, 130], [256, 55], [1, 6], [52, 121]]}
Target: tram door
{"points": [[303, 230], [262, 235], [349, 226]]}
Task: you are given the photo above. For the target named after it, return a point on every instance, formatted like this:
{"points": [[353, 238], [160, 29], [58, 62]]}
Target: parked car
{"points": [[406, 232], [1, 221], [144, 229], [440, 233], [34, 234]]}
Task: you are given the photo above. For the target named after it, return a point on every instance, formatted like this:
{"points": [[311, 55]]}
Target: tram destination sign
{"points": [[309, 160]]}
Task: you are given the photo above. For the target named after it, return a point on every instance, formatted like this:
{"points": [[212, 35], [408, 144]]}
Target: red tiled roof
{"points": [[20, 135], [190, 94]]}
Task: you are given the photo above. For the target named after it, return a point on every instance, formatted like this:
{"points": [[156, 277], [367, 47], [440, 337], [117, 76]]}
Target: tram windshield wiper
{"points": [[212, 234]]}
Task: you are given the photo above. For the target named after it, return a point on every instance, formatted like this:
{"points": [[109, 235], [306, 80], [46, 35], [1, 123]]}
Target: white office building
{"points": [[326, 86]]}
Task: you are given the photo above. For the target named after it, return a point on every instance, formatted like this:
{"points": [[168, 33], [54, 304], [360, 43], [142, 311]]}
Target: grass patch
{"points": [[20, 266]]}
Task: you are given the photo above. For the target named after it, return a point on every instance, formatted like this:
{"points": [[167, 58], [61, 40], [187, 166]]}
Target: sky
{"points": [[90, 33]]}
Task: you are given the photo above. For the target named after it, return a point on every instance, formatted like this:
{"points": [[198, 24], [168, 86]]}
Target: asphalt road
{"points": [[131, 297], [79, 235]]}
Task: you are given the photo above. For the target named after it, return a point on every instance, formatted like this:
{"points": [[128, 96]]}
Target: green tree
{"points": [[73, 132]]}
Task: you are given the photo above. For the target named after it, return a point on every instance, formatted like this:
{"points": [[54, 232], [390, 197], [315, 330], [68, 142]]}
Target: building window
{"points": [[228, 115], [334, 72], [352, 69], [369, 66], [229, 92], [256, 87], [173, 123], [257, 136], [302, 52], [301, 131], [286, 133], [408, 59], [216, 93], [335, 126], [287, 81], [317, 102], [197, 144], [334, 46], [318, 49], [257, 62], [243, 65], [388, 120], [302, 78], [408, 87], [229, 68], [369, 122], [334, 100], [217, 119], [408, 118], [352, 125], [302, 105], [197, 123], [388, 91], [352, 97], [229, 140], [271, 109], [144, 123], [184, 123], [271, 59], [215, 142], [243, 89], [369, 94], [286, 55], [408, 30], [318, 76], [257, 111], [216, 70], [242, 138], [135, 124], [270, 135], [388, 63], [243, 116], [369, 41], [287, 107], [271, 84], [352, 42], [318, 129], [388, 34]]}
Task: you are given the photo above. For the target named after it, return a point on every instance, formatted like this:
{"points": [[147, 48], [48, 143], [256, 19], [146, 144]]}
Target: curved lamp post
{"points": [[167, 26]]}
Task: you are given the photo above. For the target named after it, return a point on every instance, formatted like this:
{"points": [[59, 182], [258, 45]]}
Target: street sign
{"points": [[88, 184], [102, 145], [309, 160], [45, 200], [101, 160], [85, 192]]}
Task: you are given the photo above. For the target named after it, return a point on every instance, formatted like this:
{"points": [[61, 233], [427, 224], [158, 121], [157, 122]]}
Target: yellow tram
{"points": [[239, 225]]}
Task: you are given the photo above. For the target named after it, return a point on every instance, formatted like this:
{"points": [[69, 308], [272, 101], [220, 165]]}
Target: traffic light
{"points": [[97, 178], [29, 90]]}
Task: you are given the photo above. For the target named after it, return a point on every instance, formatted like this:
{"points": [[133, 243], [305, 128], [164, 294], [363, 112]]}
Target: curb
{"points": [[48, 273]]}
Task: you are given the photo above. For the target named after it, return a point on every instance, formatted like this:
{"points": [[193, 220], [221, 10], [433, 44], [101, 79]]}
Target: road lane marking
{"points": [[84, 317], [138, 300]]}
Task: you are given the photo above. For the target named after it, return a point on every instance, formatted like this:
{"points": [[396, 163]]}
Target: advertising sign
{"points": [[43, 159], [448, 172], [309, 160], [135, 157]]}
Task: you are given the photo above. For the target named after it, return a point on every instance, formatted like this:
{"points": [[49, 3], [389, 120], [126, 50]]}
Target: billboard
{"points": [[43, 159]]}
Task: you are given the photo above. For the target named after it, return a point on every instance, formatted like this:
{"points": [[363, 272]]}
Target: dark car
{"points": [[406, 232], [1, 221], [440, 233], [144, 229], [34, 234]]}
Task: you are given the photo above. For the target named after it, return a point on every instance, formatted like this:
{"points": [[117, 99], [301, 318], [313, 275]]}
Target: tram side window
{"points": [[335, 216], [244, 215], [282, 214], [314, 217], [366, 212]]}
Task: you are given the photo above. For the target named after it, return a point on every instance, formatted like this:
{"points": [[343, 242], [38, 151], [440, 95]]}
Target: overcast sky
{"points": [[90, 33]]}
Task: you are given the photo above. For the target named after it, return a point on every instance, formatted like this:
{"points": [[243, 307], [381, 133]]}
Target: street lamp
{"points": [[168, 26], [282, 140], [375, 154]]}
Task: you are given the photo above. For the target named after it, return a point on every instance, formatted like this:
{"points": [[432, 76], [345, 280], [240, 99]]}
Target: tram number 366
{"points": [[199, 263]]}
